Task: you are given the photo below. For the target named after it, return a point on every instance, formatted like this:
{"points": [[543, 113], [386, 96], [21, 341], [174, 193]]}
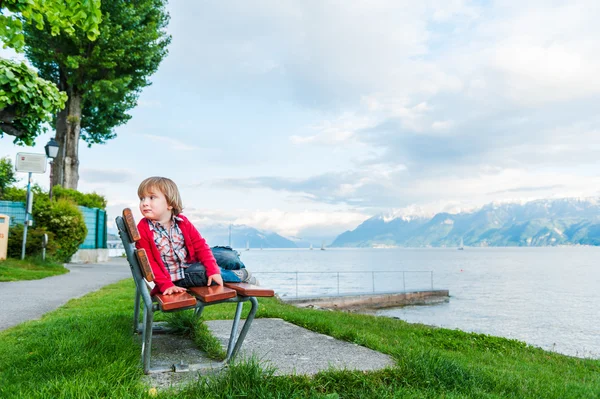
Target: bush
{"points": [[14, 194], [65, 221], [7, 174], [92, 200], [33, 245]]}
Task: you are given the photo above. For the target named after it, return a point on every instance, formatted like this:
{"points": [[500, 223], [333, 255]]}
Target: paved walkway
{"points": [[29, 300]]}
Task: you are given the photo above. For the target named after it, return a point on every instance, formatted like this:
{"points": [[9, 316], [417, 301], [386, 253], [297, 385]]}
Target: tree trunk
{"points": [[68, 128]]}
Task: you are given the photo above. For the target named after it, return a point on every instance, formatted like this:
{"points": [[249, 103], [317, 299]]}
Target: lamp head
{"points": [[51, 149]]}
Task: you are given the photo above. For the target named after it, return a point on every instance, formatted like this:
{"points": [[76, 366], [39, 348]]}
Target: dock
{"points": [[380, 300]]}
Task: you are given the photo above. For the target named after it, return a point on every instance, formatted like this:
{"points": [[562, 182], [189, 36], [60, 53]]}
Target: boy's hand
{"points": [[215, 278], [174, 290]]}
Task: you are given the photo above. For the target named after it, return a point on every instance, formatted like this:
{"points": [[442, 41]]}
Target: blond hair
{"points": [[165, 186]]}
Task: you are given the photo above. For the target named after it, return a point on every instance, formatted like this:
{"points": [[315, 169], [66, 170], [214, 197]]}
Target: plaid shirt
{"points": [[171, 246]]}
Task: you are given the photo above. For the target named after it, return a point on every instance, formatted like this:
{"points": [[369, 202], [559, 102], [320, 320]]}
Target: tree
{"points": [[103, 78], [61, 16], [26, 101], [7, 174]]}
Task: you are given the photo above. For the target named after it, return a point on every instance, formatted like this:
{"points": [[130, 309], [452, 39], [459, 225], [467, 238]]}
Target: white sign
{"points": [[33, 163]]}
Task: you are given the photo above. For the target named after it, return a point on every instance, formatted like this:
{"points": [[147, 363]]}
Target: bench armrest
{"points": [[246, 289]]}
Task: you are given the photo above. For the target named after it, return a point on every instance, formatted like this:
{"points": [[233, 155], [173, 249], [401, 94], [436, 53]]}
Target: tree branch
{"points": [[11, 130], [8, 114]]}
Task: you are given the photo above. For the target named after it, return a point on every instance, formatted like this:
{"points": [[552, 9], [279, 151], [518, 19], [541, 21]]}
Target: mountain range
{"points": [[243, 236], [567, 221]]}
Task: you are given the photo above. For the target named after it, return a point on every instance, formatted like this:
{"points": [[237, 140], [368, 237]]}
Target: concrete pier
{"points": [[372, 300]]}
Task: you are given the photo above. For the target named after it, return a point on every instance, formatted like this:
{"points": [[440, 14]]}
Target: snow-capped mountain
{"points": [[566, 221]]}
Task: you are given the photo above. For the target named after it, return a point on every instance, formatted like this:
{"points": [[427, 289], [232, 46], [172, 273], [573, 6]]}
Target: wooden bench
{"points": [[196, 298]]}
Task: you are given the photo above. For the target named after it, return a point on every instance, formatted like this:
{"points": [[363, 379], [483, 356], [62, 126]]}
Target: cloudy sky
{"points": [[308, 117]]}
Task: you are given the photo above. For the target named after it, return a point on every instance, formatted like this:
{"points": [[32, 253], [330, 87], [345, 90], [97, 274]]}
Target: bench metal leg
{"points": [[136, 311], [240, 339], [234, 328], [198, 310], [147, 339]]}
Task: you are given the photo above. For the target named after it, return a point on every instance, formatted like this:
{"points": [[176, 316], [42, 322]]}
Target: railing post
{"points": [[373, 278]]}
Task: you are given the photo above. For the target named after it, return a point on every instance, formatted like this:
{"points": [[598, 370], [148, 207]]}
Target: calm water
{"points": [[547, 297]]}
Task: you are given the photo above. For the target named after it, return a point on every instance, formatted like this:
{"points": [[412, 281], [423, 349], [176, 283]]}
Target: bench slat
{"points": [[175, 301], [213, 293], [246, 289], [144, 264], [134, 234]]}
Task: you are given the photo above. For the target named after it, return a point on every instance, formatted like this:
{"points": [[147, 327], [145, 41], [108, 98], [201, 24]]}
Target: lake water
{"points": [[547, 297]]}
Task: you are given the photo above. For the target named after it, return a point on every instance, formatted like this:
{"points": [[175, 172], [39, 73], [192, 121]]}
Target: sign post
{"points": [[30, 163]]}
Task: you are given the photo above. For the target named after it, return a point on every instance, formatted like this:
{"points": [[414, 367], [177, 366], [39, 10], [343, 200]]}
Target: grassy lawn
{"points": [[86, 350], [29, 269]]}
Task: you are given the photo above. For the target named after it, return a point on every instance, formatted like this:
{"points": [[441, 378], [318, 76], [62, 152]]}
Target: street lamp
{"points": [[51, 152]]}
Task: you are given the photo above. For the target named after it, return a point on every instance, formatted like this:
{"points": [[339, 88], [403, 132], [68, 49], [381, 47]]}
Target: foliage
{"points": [[7, 175], [60, 16], [33, 245], [14, 194], [17, 194], [110, 72], [26, 102], [91, 200], [65, 220]]}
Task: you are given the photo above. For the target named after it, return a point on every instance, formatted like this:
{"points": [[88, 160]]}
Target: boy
{"points": [[178, 254]]}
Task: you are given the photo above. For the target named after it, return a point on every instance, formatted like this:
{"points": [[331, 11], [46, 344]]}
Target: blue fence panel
{"points": [[95, 221], [101, 229], [94, 218], [16, 211]]}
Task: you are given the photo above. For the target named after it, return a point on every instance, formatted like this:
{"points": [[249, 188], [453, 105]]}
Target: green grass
{"points": [[86, 350], [29, 269]]}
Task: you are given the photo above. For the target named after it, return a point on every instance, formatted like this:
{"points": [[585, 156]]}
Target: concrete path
{"points": [[29, 300]]}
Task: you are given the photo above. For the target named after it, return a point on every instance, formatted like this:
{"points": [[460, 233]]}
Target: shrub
{"points": [[14, 194], [33, 245], [91, 200], [7, 174], [65, 220]]}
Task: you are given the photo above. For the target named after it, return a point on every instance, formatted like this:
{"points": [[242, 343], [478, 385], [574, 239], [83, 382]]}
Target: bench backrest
{"points": [[134, 235]]}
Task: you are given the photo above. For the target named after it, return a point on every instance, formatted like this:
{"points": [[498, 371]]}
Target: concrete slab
{"points": [[295, 350], [287, 348]]}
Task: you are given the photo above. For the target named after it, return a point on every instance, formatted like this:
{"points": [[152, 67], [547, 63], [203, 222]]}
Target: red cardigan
{"points": [[198, 251]]}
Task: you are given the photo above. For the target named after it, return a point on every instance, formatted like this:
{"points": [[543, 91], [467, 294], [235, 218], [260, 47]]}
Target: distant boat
{"points": [[461, 247], [247, 245], [323, 246], [311, 248]]}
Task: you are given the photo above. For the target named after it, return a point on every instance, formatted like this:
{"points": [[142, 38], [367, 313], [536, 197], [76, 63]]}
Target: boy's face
{"points": [[153, 206]]}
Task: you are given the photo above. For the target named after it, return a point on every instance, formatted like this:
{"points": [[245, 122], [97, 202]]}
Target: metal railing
{"points": [[372, 287]]}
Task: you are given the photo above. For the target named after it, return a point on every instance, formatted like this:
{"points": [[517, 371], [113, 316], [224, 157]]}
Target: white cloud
{"points": [[334, 132], [292, 223], [285, 223], [441, 125], [105, 175], [172, 143]]}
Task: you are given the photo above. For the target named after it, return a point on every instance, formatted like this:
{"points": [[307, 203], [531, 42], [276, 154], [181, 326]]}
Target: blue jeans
{"points": [[195, 276]]}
